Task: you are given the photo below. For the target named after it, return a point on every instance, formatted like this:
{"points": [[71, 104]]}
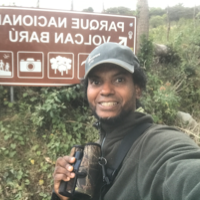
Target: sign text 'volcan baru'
{"points": [[48, 48]]}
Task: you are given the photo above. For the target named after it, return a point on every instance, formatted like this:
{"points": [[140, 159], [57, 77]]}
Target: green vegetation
{"points": [[43, 123], [180, 67], [120, 11], [90, 9]]}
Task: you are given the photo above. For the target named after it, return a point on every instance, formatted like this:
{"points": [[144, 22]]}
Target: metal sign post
{"points": [[12, 94]]}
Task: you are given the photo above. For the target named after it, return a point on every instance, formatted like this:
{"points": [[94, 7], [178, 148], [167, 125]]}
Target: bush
{"points": [[157, 20], [145, 54], [43, 125], [161, 101]]}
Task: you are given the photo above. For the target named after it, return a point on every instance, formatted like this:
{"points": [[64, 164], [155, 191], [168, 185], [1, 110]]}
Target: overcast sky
{"points": [[79, 5]]}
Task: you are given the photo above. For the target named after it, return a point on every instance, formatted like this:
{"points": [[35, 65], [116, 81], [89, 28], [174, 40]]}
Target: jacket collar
{"points": [[113, 134]]}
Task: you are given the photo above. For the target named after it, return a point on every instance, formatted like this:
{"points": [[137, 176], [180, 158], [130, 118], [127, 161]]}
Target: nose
{"points": [[107, 89]]}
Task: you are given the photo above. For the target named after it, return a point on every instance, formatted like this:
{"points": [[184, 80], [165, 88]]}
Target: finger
{"points": [[61, 177], [57, 180], [72, 152], [66, 171], [69, 159], [56, 189], [63, 161], [63, 171]]}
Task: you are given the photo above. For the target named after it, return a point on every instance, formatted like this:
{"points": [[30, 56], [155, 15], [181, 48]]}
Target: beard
{"points": [[111, 120]]}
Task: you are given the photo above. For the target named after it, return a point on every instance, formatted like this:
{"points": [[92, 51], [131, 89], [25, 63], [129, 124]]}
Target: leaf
{"points": [[48, 160], [25, 95], [35, 147], [13, 146], [69, 137], [33, 99], [32, 162], [27, 182], [41, 182], [20, 175], [6, 137], [20, 138], [10, 105], [51, 114], [11, 154], [64, 133]]}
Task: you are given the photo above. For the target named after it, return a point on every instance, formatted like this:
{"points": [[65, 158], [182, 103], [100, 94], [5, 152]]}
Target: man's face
{"points": [[111, 91]]}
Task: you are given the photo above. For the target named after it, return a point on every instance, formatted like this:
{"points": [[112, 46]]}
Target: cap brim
{"points": [[126, 66]]}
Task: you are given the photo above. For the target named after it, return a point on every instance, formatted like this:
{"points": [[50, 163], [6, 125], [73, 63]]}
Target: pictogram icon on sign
{"points": [[6, 64], [5, 68], [130, 34], [81, 65], [60, 65], [30, 64]]}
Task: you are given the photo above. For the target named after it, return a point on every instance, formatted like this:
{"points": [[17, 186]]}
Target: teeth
{"points": [[108, 103]]}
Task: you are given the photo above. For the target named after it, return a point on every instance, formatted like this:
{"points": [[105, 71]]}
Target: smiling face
{"points": [[111, 92]]}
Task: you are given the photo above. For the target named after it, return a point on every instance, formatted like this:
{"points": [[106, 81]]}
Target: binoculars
{"points": [[88, 173]]}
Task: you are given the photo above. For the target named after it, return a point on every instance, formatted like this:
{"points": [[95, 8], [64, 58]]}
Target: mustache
{"points": [[110, 120]]}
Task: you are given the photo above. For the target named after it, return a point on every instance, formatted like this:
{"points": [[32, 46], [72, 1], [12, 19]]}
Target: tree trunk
{"points": [[168, 23], [142, 21], [72, 5], [38, 3]]}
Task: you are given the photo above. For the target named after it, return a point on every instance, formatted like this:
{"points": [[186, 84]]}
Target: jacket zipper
{"points": [[102, 146], [103, 162]]}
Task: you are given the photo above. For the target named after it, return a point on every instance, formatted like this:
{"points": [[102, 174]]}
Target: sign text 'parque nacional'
{"points": [[48, 48]]}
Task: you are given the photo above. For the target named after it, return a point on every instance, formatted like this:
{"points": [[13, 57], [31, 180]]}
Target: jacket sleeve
{"points": [[170, 166], [54, 196]]}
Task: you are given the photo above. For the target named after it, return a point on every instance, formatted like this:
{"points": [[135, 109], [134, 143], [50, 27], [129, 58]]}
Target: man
{"points": [[162, 164]]}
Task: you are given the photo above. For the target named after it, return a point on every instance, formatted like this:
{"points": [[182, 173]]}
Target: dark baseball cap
{"points": [[113, 53]]}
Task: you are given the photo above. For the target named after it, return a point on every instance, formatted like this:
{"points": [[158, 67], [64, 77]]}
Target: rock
{"points": [[186, 119], [161, 50]]}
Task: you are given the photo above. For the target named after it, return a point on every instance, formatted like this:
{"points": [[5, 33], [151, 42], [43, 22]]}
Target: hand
{"points": [[63, 171]]}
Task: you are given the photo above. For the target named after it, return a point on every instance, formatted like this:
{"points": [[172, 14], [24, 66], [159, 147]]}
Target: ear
{"points": [[138, 92]]}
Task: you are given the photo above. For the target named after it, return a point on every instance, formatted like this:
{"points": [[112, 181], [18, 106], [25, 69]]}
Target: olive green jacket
{"points": [[163, 163]]}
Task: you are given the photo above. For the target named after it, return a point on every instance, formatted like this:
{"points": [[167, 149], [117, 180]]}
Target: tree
{"points": [[143, 21], [120, 11], [90, 9], [179, 11], [72, 5], [156, 12], [38, 3], [157, 20]]}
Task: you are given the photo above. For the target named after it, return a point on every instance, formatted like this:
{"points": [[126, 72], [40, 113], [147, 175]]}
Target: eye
{"points": [[120, 80], [94, 82]]}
